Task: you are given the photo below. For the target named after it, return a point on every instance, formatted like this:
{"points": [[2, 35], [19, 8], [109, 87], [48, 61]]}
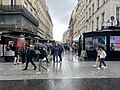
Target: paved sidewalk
{"points": [[70, 68]]}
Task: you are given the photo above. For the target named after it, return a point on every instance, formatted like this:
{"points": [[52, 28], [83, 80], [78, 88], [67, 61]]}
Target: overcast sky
{"points": [[60, 12]]}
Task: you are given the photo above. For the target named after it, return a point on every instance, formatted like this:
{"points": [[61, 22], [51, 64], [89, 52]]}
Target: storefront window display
{"points": [[92, 43], [115, 43]]}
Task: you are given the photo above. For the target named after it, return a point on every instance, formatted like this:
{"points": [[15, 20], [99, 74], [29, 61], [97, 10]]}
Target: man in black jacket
{"points": [[29, 56]]}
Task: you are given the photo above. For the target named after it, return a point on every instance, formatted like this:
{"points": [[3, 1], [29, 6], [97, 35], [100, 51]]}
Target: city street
{"points": [[71, 74]]}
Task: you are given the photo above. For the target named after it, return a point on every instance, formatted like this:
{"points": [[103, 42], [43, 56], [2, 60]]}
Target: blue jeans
{"points": [[102, 61]]}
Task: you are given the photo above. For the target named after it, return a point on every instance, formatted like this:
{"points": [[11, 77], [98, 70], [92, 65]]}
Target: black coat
{"points": [[42, 54], [30, 54]]}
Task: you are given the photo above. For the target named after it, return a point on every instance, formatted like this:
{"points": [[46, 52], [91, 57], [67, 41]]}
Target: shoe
{"points": [[48, 70], [94, 65], [98, 68], [105, 67], [35, 68], [15, 63], [60, 61], [18, 63], [24, 69], [38, 73]]}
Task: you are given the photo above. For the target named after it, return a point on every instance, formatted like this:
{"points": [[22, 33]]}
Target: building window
{"points": [[89, 12], [98, 4], [25, 4], [93, 8], [86, 15], [31, 10], [86, 2], [103, 17], [118, 15], [12, 2], [97, 23], [92, 25], [89, 1]]}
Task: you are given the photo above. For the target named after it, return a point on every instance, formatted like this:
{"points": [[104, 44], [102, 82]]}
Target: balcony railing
{"points": [[19, 9], [15, 27]]}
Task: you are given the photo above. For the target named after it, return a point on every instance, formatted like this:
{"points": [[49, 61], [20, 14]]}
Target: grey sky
{"points": [[60, 11]]}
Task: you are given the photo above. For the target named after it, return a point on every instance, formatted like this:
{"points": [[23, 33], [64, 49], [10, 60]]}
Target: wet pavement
{"points": [[71, 74]]}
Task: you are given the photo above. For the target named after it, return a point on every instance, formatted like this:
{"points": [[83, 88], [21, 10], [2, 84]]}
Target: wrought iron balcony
{"points": [[15, 27], [18, 9]]}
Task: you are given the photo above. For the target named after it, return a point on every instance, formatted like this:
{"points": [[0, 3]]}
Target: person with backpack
{"points": [[41, 57]]}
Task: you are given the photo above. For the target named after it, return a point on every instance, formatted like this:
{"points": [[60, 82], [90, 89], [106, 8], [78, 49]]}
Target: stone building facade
{"points": [[26, 15], [93, 15]]}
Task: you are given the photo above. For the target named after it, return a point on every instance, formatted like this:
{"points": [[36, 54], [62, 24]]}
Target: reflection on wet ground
{"points": [[71, 74]]}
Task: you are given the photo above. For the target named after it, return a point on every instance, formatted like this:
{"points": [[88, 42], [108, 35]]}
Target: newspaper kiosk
{"points": [[108, 38]]}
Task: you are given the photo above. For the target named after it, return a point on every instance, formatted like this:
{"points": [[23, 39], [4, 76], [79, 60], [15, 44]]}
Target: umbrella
{"points": [[101, 45], [48, 44], [41, 45]]}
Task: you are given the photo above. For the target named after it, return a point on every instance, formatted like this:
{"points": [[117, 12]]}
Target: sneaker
{"points": [[48, 70], [24, 69], [15, 63], [60, 61], [38, 73], [105, 67], [98, 68], [34, 68], [94, 65]]}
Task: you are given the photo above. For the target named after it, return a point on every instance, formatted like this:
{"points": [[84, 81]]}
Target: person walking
{"points": [[102, 58], [36, 56], [41, 57], [29, 56], [23, 54], [60, 52], [45, 55], [17, 56], [97, 58], [55, 51]]}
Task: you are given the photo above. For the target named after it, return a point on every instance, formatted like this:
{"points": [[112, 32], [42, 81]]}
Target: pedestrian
{"points": [[41, 57], [102, 58], [55, 51], [29, 56], [36, 56], [23, 55], [97, 58], [60, 52], [45, 55], [17, 56]]}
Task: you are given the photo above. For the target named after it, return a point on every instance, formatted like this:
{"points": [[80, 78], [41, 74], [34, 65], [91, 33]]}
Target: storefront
{"points": [[109, 39]]}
